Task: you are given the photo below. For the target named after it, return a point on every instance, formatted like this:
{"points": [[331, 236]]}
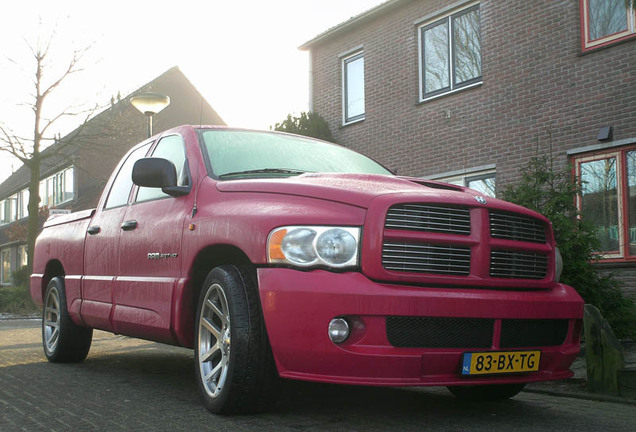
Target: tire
{"points": [[492, 392], [234, 367], [62, 339]]}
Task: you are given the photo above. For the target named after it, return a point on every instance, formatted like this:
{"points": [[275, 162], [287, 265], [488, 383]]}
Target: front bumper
{"points": [[298, 306]]}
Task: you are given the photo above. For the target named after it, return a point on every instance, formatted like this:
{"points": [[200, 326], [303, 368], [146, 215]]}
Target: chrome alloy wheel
{"points": [[214, 340], [51, 320]]}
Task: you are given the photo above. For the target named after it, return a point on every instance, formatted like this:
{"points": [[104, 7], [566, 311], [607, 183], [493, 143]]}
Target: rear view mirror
{"points": [[155, 173]]}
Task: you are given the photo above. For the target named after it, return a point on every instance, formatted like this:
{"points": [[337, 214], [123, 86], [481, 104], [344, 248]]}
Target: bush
{"points": [[553, 194], [17, 300], [21, 277]]}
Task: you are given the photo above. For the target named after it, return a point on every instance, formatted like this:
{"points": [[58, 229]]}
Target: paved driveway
{"points": [[130, 384]]}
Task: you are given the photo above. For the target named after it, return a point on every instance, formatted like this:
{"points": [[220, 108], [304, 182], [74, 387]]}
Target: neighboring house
{"points": [[468, 91], [73, 176]]}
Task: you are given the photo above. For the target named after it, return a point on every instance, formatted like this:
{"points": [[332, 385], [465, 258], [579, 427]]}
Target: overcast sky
{"points": [[241, 55]]}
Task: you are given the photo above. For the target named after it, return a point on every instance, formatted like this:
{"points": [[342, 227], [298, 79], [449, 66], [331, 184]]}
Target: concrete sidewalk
{"points": [[577, 386]]}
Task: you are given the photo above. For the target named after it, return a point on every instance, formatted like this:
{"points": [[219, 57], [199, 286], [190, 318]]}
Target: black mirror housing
{"points": [[155, 173]]}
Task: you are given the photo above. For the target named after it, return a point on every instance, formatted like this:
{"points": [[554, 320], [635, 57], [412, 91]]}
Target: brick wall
{"points": [[536, 84]]}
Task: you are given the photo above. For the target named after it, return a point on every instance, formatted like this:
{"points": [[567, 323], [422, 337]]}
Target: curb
{"points": [[584, 396]]}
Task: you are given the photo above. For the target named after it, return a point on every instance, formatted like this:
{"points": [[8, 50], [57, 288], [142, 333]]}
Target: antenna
{"points": [[197, 186], [201, 112]]}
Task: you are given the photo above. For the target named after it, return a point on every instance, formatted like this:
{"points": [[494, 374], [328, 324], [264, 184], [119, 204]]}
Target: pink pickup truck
{"points": [[274, 255]]}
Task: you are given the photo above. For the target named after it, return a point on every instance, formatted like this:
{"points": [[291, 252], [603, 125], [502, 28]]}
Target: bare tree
{"points": [[29, 150]]}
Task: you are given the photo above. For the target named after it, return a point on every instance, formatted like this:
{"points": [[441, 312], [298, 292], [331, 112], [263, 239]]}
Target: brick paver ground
{"points": [[133, 385]]}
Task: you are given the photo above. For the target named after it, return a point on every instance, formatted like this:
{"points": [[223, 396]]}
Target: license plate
{"points": [[500, 362]]}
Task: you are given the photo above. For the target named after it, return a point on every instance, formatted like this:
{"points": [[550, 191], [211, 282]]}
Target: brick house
{"points": [[74, 176], [468, 91]]}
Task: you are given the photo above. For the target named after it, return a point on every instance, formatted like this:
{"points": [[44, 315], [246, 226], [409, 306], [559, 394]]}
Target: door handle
{"points": [[93, 230], [129, 225]]}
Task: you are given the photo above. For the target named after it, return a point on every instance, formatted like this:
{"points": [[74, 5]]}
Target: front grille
{"points": [[473, 333], [429, 218], [426, 258], [533, 333], [427, 332], [510, 226], [518, 265]]}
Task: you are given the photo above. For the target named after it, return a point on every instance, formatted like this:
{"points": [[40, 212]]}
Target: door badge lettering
{"points": [[160, 256]]}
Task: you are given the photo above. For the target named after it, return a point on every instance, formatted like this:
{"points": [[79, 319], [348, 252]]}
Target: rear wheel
{"points": [[63, 340], [490, 392], [233, 362]]}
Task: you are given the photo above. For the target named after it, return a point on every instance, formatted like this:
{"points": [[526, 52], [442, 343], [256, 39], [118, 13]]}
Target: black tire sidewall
{"points": [[73, 341], [249, 353]]}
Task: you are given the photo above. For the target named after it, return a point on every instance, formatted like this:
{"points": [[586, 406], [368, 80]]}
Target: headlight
{"points": [[558, 264], [307, 246]]}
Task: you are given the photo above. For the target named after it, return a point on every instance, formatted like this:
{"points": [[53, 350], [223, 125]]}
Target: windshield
{"points": [[247, 154]]}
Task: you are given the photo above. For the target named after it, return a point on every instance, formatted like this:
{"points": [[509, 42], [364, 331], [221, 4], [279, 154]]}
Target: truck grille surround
{"points": [[444, 240]]}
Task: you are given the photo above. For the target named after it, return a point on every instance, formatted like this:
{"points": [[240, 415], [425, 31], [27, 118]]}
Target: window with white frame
{"points": [[606, 21], [353, 88], [483, 181], [450, 53], [23, 204], [58, 189], [22, 256], [14, 207], [5, 266], [608, 199]]}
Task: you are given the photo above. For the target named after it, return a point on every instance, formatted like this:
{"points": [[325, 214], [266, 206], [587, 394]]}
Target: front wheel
{"points": [[63, 340], [233, 361], [491, 392]]}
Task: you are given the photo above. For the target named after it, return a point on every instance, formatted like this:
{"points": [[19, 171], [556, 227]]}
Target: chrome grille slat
{"points": [[426, 258], [518, 265], [429, 218], [430, 255], [510, 226]]}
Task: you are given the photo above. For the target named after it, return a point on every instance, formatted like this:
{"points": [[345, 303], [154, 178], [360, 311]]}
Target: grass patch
{"points": [[17, 301]]}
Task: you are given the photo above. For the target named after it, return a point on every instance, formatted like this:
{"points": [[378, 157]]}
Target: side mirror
{"points": [[155, 173]]}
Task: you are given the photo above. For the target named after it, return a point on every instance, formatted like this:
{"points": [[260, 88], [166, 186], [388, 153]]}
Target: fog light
{"points": [[338, 330]]}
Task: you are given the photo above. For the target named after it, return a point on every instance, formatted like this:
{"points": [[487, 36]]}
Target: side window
{"points": [[450, 53], [353, 88], [120, 190], [171, 148], [607, 21]]}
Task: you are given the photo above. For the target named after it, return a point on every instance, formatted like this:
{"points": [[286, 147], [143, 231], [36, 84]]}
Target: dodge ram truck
{"points": [[278, 256]]}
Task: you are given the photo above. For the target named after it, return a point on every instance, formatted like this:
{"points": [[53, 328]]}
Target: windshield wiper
{"points": [[262, 171]]}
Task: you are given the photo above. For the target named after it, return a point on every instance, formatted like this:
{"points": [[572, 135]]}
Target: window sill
{"points": [[451, 92], [352, 122], [605, 45], [611, 263]]}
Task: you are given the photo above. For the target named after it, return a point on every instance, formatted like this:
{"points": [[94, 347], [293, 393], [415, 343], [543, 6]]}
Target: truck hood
{"points": [[353, 189]]}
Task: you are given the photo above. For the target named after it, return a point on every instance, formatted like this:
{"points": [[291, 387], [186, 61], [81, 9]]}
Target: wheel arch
{"points": [[206, 259], [54, 268]]}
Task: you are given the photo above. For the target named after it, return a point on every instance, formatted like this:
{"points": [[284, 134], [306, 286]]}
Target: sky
{"points": [[242, 55]]}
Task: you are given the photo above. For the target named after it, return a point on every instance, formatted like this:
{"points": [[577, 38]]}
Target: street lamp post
{"points": [[150, 104]]}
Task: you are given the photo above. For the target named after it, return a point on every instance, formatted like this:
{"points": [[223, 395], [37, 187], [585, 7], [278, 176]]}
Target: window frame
{"points": [[53, 188], [589, 44], [448, 17], [464, 177], [620, 153], [5, 277], [345, 61]]}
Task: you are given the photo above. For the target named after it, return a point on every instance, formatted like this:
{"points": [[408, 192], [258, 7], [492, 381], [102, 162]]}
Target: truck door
{"points": [[150, 253], [101, 253]]}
